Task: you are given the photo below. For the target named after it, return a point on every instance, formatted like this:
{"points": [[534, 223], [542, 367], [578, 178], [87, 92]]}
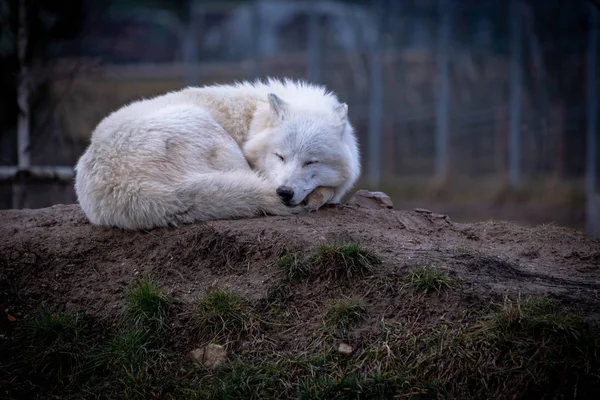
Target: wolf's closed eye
{"points": [[280, 156], [307, 163]]}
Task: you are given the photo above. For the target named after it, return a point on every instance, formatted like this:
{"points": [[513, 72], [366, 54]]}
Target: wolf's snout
{"points": [[286, 193]]}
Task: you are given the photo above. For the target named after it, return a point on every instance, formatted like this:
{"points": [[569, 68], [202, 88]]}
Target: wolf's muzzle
{"points": [[286, 193]]}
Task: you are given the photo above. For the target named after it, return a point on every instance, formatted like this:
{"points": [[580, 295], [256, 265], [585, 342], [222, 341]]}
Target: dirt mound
{"points": [[55, 259], [54, 253]]}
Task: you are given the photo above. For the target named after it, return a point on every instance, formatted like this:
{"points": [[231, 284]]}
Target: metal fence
{"points": [[438, 89]]}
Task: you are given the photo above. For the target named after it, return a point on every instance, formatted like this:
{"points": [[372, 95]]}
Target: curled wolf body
{"points": [[218, 152]]}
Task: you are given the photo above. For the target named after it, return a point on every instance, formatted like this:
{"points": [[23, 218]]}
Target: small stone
{"points": [[367, 199], [210, 356], [345, 349]]}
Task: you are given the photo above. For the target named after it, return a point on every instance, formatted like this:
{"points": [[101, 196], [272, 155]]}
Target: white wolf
{"points": [[217, 152]]}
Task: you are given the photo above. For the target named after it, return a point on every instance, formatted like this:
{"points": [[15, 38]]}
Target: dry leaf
{"points": [[11, 318]]}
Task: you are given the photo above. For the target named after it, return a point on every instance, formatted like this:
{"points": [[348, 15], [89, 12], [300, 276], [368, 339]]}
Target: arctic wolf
{"points": [[218, 152]]}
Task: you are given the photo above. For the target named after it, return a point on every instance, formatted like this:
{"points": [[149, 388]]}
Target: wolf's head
{"points": [[298, 148]]}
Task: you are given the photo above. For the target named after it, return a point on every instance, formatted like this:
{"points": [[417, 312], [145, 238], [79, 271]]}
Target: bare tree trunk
{"points": [[23, 87]]}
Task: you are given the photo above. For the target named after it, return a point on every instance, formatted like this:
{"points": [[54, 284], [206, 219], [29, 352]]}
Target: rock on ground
{"points": [[210, 356]]}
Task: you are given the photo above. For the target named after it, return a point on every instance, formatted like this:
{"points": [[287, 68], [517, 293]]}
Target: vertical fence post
{"points": [[442, 122], [23, 88], [314, 43], [514, 144], [376, 102], [255, 36], [593, 198], [592, 102], [191, 45]]}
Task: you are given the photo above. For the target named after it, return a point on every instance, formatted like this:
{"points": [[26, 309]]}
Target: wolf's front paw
{"points": [[311, 208]]}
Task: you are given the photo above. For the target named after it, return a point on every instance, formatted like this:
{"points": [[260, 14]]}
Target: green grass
{"points": [[332, 261], [428, 279], [244, 380], [73, 356], [128, 349], [298, 377], [527, 349], [48, 351], [128, 364], [57, 329], [346, 261], [519, 349], [222, 314], [305, 377], [345, 314], [146, 304], [279, 295], [276, 306], [351, 387], [541, 345], [293, 267], [57, 345], [538, 348]]}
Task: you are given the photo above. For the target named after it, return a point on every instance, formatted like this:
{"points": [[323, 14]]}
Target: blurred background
{"points": [[477, 109]]}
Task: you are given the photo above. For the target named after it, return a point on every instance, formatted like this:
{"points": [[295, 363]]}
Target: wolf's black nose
{"points": [[286, 193]]}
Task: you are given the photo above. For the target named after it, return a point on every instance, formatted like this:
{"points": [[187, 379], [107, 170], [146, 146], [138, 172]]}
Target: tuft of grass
{"points": [[244, 380], [129, 363], [277, 302], [527, 313], [146, 304], [293, 267], [127, 350], [222, 314], [278, 295], [141, 327], [343, 261], [429, 279], [53, 329], [345, 314], [58, 346], [333, 261]]}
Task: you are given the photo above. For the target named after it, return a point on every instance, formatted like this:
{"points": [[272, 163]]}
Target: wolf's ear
{"points": [[341, 111], [277, 106]]}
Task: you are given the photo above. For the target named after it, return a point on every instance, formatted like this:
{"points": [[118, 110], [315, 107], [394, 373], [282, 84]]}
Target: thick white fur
{"points": [[214, 153]]}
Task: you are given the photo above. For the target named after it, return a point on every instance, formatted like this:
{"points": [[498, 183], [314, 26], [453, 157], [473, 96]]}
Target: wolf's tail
{"points": [[200, 197]]}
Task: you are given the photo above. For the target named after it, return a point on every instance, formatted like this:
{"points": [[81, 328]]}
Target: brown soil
{"points": [[53, 258], [55, 255]]}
